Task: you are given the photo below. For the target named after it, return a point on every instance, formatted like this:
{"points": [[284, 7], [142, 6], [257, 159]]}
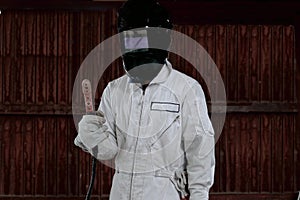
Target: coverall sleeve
{"points": [[99, 141], [198, 137]]}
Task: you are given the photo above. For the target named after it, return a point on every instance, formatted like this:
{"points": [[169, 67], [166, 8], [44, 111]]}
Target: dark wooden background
{"points": [[255, 46]]}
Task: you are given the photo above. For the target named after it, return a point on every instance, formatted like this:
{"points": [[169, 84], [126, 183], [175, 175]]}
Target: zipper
{"points": [[136, 144]]}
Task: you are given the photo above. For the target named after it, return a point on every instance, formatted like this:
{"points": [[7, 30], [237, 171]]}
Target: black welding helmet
{"points": [[144, 27]]}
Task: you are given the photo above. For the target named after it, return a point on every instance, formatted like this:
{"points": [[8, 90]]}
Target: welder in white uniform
{"points": [[153, 121]]}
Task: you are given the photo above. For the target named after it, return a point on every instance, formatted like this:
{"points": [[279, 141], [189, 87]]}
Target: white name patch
{"points": [[165, 106]]}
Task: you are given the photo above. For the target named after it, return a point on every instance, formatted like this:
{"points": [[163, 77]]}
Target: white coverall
{"points": [[153, 135]]}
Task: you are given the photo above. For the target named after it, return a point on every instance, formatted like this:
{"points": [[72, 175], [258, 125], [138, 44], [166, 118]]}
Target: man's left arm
{"points": [[199, 142]]}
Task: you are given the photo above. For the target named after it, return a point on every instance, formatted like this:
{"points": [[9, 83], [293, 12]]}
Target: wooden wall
{"points": [[40, 53]]}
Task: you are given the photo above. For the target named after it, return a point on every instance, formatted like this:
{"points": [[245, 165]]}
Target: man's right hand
{"points": [[91, 122], [89, 128]]}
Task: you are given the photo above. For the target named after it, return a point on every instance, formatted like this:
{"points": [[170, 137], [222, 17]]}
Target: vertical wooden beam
{"points": [[297, 131]]}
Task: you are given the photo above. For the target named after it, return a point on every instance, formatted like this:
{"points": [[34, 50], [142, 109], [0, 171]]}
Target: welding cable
{"points": [[94, 166]]}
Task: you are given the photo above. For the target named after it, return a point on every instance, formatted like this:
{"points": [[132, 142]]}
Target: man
{"points": [[153, 121]]}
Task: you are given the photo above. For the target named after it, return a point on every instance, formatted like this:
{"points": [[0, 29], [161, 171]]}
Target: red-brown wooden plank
{"points": [[2, 155], [98, 38], [1, 55], [40, 155], [110, 17], [254, 153], [85, 37], [211, 41], [31, 33], [30, 80], [62, 156], [231, 64], [266, 63], [221, 57], [40, 84], [288, 152], [8, 70], [30, 60], [84, 172], [12, 152], [7, 168], [19, 156], [41, 65], [64, 34], [39, 33], [243, 63], [233, 162], [63, 82], [1, 77], [19, 82], [277, 68], [277, 137], [28, 154], [46, 33], [180, 63], [297, 159], [243, 153], [95, 34], [266, 153], [289, 66], [2, 35], [223, 158], [63, 59], [210, 48], [51, 80], [200, 33], [183, 65], [254, 61], [75, 34], [51, 157], [52, 36], [297, 132], [217, 178], [51, 53], [76, 60], [20, 30], [73, 160], [8, 34]]}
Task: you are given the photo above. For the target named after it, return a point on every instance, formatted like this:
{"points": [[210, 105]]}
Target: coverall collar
{"points": [[163, 74]]}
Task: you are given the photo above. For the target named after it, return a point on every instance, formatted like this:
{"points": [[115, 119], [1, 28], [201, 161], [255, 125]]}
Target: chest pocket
{"points": [[165, 123]]}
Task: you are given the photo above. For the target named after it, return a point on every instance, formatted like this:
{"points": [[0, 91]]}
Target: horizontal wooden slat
{"points": [[67, 110], [288, 196], [238, 196], [103, 197]]}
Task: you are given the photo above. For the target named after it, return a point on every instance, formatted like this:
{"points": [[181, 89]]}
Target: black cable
{"points": [[88, 195]]}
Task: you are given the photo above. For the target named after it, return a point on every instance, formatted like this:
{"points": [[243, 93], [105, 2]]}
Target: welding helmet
{"points": [[144, 27]]}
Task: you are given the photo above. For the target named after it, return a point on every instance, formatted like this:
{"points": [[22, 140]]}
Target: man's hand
{"points": [[91, 122]]}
